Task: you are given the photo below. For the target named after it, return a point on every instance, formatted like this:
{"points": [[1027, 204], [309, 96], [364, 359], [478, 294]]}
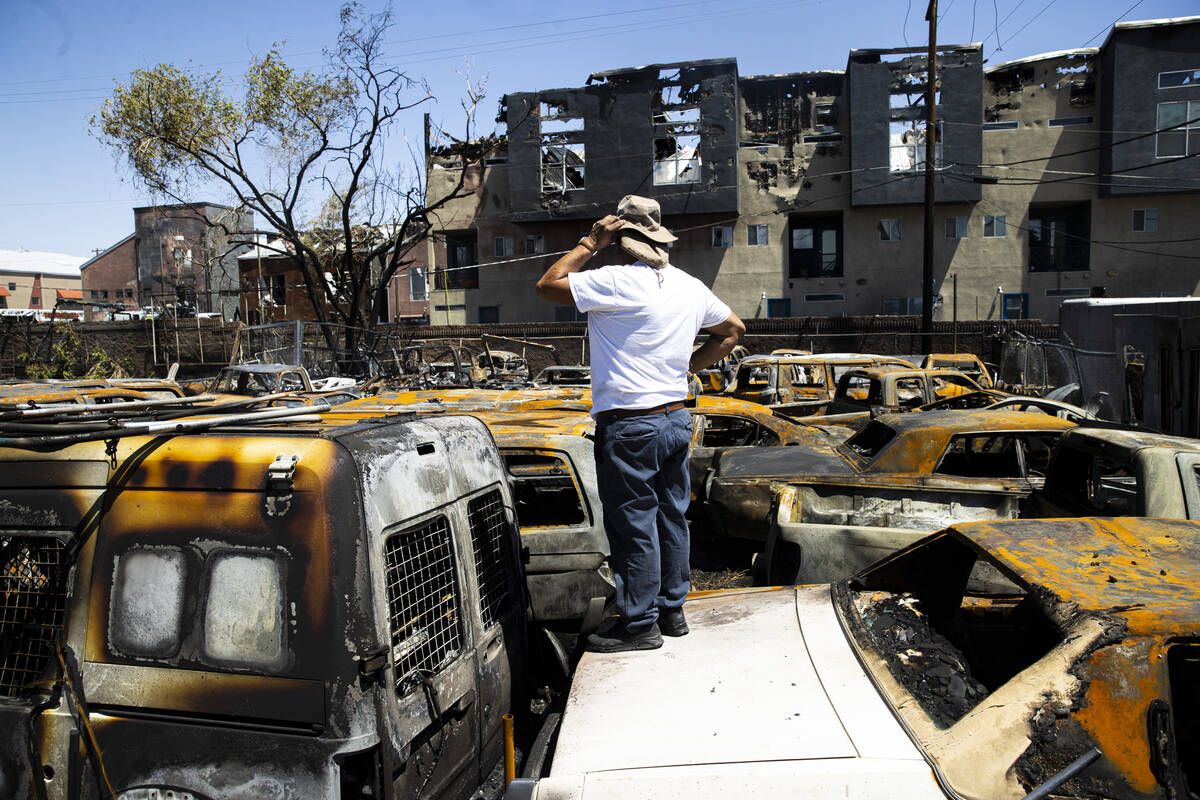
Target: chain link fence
{"points": [[1092, 379]]}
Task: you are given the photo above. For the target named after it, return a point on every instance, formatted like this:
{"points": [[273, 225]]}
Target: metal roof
{"points": [[36, 262]]}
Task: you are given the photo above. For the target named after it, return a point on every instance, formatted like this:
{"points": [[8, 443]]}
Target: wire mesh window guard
{"points": [[422, 594], [33, 598], [493, 555]]}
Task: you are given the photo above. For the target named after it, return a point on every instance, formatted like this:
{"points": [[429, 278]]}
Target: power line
{"points": [[1089, 240], [1027, 24], [1107, 28], [1093, 149], [456, 33]]}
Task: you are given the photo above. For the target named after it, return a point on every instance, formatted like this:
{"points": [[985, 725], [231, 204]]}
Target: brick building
{"points": [[177, 256]]}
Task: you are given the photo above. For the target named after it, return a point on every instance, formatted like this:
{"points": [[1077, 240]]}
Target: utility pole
{"points": [[930, 152]]}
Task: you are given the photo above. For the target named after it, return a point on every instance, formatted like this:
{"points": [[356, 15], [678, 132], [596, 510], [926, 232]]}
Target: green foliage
{"points": [[165, 120], [69, 358], [295, 108], [303, 150]]}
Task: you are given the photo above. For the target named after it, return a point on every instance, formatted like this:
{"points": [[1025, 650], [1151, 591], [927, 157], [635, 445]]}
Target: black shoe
{"points": [[672, 622], [619, 639]]}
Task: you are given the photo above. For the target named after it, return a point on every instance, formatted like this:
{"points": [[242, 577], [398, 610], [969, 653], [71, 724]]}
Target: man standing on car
{"points": [[642, 320]]}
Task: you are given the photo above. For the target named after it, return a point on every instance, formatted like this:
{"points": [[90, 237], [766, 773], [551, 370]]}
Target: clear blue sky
{"points": [[61, 191]]}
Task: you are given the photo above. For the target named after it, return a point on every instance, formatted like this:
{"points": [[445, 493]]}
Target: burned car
{"points": [[1112, 472], [989, 661], [802, 384], [891, 388], [256, 380], [823, 512], [963, 362], [236, 606]]}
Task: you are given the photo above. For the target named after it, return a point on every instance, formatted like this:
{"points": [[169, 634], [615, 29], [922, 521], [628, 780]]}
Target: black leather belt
{"points": [[622, 413]]}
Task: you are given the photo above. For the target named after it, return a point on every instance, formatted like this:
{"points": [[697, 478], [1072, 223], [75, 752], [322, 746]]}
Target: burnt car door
{"points": [[714, 434]]}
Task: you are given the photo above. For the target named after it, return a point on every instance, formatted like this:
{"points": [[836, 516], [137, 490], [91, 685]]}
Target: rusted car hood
{"points": [[1147, 570]]}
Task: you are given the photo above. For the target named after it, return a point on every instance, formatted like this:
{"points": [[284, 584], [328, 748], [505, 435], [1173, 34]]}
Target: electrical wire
{"points": [[1099, 242], [1114, 22], [1109, 145], [1026, 25]]}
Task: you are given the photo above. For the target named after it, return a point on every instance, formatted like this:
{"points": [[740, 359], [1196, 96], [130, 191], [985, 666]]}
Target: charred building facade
{"points": [[801, 194]]}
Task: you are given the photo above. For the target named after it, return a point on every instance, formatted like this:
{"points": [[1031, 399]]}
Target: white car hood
{"points": [[764, 676]]}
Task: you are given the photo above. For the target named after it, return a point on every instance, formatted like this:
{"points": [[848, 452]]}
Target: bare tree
{"points": [[305, 152]]}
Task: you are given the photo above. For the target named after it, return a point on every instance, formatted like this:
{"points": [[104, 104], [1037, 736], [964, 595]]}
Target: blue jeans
{"points": [[642, 477]]}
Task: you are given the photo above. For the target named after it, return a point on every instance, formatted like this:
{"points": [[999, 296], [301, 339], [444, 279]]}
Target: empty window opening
{"points": [[735, 432], [871, 440], [824, 116], [544, 490], [906, 142], [1095, 485], [949, 650], [1145, 220], [561, 125], [1183, 668], [676, 154], [982, 456], [563, 167], [549, 110], [677, 115]]}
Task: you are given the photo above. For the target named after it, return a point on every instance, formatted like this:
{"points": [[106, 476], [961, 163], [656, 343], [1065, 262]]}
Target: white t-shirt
{"points": [[642, 323]]}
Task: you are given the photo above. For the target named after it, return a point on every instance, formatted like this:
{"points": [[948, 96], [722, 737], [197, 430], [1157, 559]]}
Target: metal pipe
{"points": [[1068, 772], [104, 408], [510, 760], [51, 442]]}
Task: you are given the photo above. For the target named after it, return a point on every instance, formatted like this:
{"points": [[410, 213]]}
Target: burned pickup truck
{"points": [[311, 608], [825, 512], [992, 661]]}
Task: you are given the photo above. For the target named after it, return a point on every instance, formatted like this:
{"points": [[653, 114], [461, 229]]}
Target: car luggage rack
{"points": [[69, 425]]}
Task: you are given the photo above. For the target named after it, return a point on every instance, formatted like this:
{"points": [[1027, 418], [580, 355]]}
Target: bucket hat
{"points": [[642, 234]]}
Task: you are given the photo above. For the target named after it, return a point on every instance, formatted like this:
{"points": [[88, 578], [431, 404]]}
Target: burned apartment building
{"points": [[1058, 175]]}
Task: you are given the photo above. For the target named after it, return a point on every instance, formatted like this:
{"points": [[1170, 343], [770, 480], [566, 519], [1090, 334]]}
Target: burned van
{"points": [[302, 609]]}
